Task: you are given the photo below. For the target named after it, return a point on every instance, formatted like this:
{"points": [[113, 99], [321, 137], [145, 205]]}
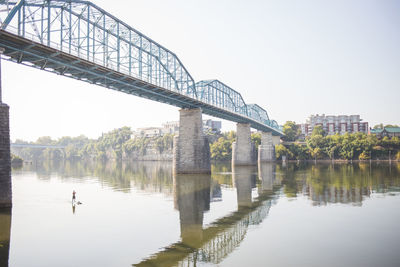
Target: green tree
{"points": [[256, 139], [221, 149], [291, 131], [164, 142], [318, 130], [299, 151], [347, 147], [45, 140], [332, 145], [316, 144], [114, 140], [281, 150]]}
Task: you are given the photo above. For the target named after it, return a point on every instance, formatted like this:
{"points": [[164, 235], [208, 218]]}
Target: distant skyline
{"points": [[293, 58]]}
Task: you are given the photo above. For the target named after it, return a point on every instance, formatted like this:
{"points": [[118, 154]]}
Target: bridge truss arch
{"points": [[219, 94]]}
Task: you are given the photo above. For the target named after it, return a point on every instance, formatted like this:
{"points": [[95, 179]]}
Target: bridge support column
{"points": [[5, 160], [191, 148], [266, 151], [276, 140], [243, 151]]}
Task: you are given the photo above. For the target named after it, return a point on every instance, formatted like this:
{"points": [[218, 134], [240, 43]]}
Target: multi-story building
{"points": [[334, 124], [213, 126], [170, 127]]}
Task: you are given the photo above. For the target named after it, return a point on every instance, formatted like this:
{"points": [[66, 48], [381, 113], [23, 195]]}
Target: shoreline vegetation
{"points": [[347, 147], [118, 145], [16, 161]]}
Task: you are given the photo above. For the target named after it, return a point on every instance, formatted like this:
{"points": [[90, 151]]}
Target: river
{"points": [[140, 214]]}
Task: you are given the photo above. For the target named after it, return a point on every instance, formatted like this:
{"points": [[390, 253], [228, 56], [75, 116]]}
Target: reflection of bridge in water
{"points": [[215, 242]]}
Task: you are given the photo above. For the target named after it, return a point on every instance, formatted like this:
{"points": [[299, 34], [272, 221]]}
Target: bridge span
{"points": [[80, 40]]}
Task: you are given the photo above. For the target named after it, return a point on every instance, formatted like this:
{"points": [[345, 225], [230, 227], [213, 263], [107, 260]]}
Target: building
{"points": [[334, 124], [213, 126], [172, 127], [386, 131], [147, 132]]}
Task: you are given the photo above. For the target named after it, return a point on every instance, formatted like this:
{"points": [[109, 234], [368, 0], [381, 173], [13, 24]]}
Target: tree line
{"points": [[350, 146], [118, 144]]}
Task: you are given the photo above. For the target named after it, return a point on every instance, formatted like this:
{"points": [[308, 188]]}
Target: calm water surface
{"points": [[142, 215]]}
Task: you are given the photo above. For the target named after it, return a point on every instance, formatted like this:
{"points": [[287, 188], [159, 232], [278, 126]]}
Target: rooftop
{"points": [[392, 129], [386, 129]]}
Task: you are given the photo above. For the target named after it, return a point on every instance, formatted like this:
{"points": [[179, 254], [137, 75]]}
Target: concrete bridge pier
{"points": [[266, 151], [276, 140], [243, 150], [191, 147], [5, 160]]}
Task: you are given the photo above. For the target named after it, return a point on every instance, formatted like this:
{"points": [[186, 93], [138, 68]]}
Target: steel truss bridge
{"points": [[80, 40]]}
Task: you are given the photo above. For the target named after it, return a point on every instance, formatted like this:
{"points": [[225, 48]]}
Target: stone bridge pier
{"points": [[243, 150], [5, 161], [191, 147], [266, 151]]}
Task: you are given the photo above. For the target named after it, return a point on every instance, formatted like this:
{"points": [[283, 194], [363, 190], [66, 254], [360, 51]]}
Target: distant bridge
{"points": [[80, 40], [15, 145]]}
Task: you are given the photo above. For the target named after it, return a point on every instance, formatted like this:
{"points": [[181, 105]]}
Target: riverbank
{"points": [[341, 161]]}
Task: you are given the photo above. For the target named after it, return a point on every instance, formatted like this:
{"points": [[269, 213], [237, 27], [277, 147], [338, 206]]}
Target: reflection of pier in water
{"points": [[5, 228], [220, 238]]}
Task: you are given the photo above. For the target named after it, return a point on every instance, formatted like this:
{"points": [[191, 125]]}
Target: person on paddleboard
{"points": [[73, 196]]}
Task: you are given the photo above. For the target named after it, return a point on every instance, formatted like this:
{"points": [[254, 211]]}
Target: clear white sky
{"points": [[294, 58]]}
